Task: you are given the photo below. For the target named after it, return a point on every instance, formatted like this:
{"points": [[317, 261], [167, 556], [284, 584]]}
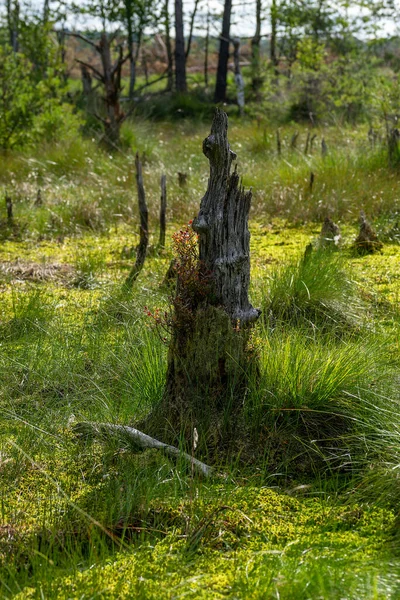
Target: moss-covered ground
{"points": [[314, 515]]}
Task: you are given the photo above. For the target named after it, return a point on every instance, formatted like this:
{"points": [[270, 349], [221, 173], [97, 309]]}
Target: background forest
{"points": [[281, 480]]}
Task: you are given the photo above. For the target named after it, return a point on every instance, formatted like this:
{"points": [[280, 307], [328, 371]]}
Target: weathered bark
{"points": [[223, 57], [180, 58], [209, 364], [222, 225], [139, 441], [163, 210], [238, 74], [144, 232]]}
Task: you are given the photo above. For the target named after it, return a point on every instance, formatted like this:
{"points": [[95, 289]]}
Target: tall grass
{"points": [[84, 187], [315, 290]]}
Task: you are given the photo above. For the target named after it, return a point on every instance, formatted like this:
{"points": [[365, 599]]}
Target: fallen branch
{"points": [[141, 440]]}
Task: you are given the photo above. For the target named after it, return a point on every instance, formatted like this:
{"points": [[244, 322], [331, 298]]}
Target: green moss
{"points": [[262, 543]]}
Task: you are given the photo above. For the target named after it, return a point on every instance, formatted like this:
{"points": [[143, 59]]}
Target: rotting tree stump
{"points": [[209, 360]]}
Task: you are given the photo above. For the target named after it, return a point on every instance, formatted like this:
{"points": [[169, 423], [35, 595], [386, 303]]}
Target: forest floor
{"points": [[310, 518]]}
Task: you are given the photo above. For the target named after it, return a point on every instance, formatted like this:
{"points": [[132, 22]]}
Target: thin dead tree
{"points": [[110, 78], [13, 19], [9, 209], [180, 55], [144, 226], [278, 142], [206, 48], [163, 211], [168, 46], [239, 81], [274, 38], [223, 56], [191, 28], [256, 79]]}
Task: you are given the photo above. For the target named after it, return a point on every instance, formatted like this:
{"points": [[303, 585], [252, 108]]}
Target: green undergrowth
{"points": [[322, 426], [83, 188], [250, 543]]}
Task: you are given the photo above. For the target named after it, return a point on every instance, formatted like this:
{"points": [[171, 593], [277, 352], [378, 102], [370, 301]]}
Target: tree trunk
{"points": [[256, 80], [46, 11], [206, 47], [180, 59], [132, 62], [209, 363], [144, 226], [112, 84], [86, 81], [238, 75], [222, 71], [170, 61], [274, 25], [192, 18], [13, 9]]}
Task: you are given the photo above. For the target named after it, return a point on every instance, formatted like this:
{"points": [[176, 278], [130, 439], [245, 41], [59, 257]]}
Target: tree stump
{"points": [[209, 361], [330, 236], [367, 241]]}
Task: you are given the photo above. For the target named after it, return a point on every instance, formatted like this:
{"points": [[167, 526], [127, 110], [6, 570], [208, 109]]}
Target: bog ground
{"points": [[305, 502]]}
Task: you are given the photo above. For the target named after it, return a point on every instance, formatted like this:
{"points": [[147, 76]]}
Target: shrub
{"points": [[31, 110]]}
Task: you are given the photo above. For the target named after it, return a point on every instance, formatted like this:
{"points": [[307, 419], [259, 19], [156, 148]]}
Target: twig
{"points": [[142, 440]]}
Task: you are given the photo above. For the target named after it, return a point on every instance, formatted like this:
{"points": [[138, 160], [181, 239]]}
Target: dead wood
{"points": [[163, 211], [31, 271], [9, 209], [144, 226], [367, 241], [330, 234], [140, 441], [209, 361]]}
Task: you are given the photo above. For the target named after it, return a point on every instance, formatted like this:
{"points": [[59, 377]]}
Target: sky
{"points": [[243, 21]]}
